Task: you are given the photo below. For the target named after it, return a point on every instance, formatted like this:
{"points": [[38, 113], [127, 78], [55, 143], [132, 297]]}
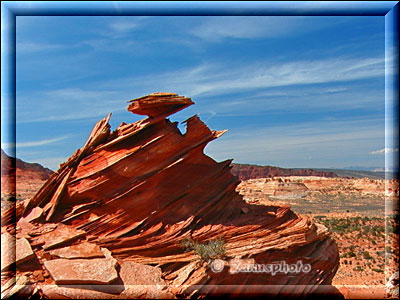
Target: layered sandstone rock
{"points": [[142, 191]]}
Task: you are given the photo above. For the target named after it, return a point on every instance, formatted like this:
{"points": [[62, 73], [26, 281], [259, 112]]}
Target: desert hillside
{"points": [[354, 211], [21, 179]]}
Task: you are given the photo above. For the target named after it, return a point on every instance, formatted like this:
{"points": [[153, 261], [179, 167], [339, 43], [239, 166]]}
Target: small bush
{"points": [[366, 255], [377, 270], [352, 247], [349, 254], [209, 250]]}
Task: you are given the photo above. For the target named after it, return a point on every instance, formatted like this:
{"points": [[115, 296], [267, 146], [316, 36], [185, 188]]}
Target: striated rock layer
{"points": [[140, 191]]}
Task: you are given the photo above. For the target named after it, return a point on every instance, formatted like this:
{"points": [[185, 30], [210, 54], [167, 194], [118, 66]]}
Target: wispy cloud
{"points": [[292, 145], [123, 26], [32, 47], [67, 104], [239, 27], [218, 28], [217, 79], [117, 28], [33, 143], [384, 151], [208, 80]]}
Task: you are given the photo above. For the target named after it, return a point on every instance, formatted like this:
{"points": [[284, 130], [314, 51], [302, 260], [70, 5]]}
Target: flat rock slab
{"points": [[139, 282], [139, 274], [142, 281], [7, 250], [22, 289], [34, 215], [23, 251], [82, 250], [60, 236], [82, 271], [41, 229]]}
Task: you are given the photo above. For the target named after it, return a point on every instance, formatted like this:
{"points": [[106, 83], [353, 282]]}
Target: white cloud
{"points": [[217, 79], [207, 80], [31, 47], [67, 104], [327, 142], [385, 150], [248, 27], [123, 26], [120, 27], [218, 28], [33, 143]]}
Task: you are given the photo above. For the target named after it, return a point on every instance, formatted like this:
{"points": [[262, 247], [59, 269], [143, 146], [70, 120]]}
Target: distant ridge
{"points": [[362, 174], [246, 171], [7, 167], [20, 179]]}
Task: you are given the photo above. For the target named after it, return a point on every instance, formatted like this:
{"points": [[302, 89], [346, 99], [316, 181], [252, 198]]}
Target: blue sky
{"points": [[293, 91]]}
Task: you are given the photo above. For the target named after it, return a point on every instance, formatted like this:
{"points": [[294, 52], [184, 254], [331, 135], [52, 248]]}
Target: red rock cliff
{"points": [[21, 179], [144, 190]]}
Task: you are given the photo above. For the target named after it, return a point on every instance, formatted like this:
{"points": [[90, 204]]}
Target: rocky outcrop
{"points": [[148, 196], [20, 179], [11, 165], [263, 189], [245, 172], [392, 286]]}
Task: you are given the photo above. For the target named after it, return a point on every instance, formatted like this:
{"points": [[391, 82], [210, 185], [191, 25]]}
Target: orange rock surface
{"points": [[140, 191]]}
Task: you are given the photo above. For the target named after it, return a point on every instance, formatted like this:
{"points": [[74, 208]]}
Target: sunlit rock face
{"points": [[140, 191]]}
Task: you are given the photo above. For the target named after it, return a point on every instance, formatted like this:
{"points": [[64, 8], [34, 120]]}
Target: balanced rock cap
{"points": [[159, 104]]}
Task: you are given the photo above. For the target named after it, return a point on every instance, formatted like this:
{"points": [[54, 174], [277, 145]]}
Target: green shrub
{"points": [[349, 254], [208, 250], [366, 255], [352, 247], [377, 270]]}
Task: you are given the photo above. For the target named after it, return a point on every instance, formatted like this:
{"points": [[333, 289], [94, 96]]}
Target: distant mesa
{"points": [[245, 172]]}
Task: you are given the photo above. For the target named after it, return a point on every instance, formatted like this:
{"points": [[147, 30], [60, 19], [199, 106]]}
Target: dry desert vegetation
{"points": [[354, 211]]}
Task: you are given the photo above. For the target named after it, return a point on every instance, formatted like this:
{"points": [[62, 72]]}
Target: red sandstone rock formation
{"points": [[138, 193], [245, 172]]}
